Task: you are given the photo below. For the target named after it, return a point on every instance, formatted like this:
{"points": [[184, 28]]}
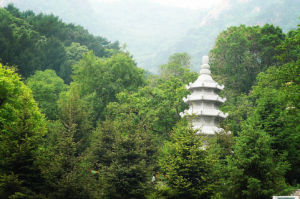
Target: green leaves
{"points": [[188, 166], [21, 129], [106, 78], [156, 108], [277, 110], [266, 153], [122, 153], [38, 42], [46, 87], [18, 43], [254, 170], [240, 53], [64, 172], [178, 66]]}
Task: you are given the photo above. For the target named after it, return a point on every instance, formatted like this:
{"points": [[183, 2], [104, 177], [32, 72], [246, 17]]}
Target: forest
{"points": [[80, 120]]}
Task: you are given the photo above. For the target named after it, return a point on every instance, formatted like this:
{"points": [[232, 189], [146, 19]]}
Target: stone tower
{"points": [[204, 102]]}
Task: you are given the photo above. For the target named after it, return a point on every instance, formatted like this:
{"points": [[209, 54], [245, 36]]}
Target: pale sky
{"points": [[192, 4]]}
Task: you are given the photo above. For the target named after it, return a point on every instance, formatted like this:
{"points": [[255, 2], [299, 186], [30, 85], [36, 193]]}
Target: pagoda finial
{"points": [[205, 66], [205, 59]]}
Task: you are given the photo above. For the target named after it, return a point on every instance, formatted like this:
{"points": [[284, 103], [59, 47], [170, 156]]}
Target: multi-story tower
{"points": [[204, 102]]}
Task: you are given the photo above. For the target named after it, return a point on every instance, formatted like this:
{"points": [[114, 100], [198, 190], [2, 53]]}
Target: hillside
{"points": [[37, 42], [80, 120], [152, 31], [200, 39]]}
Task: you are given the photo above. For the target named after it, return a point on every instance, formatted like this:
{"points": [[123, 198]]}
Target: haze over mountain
{"points": [[153, 29]]}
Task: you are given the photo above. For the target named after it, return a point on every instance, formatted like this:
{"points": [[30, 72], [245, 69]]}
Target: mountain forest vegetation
{"points": [[79, 119], [155, 29]]}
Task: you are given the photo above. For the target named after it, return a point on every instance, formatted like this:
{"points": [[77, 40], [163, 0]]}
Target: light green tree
{"points": [[157, 108], [65, 173], [74, 53], [75, 115], [240, 53], [46, 87], [104, 78], [179, 66], [276, 112], [21, 129]]}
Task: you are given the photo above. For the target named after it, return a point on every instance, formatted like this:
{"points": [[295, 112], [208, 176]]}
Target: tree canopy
{"points": [[38, 42], [21, 129]]}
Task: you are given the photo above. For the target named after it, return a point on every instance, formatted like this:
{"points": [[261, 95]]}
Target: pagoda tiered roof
{"points": [[204, 97], [206, 112], [204, 102], [209, 130], [202, 84]]}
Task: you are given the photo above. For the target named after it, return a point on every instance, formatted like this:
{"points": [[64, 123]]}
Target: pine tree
{"points": [[21, 129], [120, 154], [188, 166], [254, 170]]}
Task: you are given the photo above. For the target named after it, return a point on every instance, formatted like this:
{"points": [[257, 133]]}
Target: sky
{"points": [[190, 4]]}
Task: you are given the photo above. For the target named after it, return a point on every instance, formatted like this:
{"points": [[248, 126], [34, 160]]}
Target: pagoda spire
{"points": [[204, 102]]}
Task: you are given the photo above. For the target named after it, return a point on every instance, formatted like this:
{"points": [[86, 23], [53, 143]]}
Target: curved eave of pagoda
{"points": [[209, 130], [216, 86], [193, 98], [205, 112]]}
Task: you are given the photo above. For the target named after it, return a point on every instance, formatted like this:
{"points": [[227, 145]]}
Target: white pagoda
{"points": [[204, 102]]}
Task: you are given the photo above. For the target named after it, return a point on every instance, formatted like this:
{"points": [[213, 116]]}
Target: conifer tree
{"points": [[188, 166], [254, 170], [120, 153], [66, 175], [21, 129]]}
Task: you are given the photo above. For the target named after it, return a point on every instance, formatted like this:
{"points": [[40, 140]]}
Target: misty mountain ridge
{"points": [[152, 31]]}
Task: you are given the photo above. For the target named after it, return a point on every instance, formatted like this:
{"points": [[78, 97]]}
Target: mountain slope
{"points": [[199, 40], [153, 31]]}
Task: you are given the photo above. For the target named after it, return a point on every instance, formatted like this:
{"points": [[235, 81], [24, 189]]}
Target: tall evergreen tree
{"points": [[121, 152], [255, 172], [188, 166], [21, 129], [75, 114], [66, 174]]}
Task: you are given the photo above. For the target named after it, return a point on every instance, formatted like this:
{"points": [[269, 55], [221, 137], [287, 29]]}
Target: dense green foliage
{"points": [[188, 166], [21, 129], [157, 108], [115, 132], [46, 86], [38, 42], [254, 171], [266, 120], [122, 153], [101, 80], [240, 53]]}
